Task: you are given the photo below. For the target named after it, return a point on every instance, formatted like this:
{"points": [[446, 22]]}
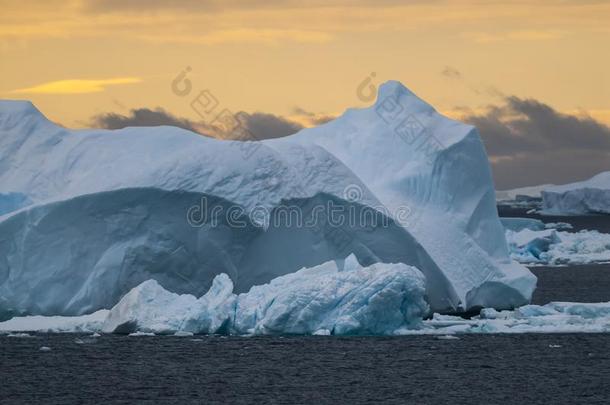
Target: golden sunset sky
{"points": [[76, 59]]}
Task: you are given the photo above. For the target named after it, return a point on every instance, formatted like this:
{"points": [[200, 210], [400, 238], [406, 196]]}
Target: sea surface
{"points": [[473, 369], [482, 369]]}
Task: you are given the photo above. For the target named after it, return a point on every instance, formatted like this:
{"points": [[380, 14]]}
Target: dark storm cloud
{"points": [[529, 143], [260, 125], [141, 117], [266, 126]]}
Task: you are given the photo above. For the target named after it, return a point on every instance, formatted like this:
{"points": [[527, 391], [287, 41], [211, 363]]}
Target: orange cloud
{"points": [[76, 86]]}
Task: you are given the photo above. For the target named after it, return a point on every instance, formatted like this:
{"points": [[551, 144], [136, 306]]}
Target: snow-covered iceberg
{"points": [[341, 299], [88, 215], [585, 197]]}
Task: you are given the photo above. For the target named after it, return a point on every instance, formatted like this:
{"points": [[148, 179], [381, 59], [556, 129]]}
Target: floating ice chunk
{"points": [[558, 225], [43, 324], [557, 248], [527, 245], [141, 334], [372, 300], [447, 337], [555, 317], [519, 224], [345, 299], [148, 308], [213, 311], [45, 349]]}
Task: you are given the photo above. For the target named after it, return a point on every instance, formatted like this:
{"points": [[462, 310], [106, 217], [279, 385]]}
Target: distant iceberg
{"points": [[89, 215], [512, 194], [585, 197]]}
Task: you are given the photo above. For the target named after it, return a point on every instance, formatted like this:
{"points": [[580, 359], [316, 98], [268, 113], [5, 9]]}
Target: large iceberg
{"points": [[585, 197], [88, 215]]}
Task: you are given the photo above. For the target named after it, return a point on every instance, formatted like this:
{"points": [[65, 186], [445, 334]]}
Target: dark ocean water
{"points": [[582, 283], [486, 369], [599, 223], [476, 369]]}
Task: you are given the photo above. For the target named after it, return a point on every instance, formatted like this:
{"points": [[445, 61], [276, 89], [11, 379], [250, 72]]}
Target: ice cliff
{"points": [[585, 197]]}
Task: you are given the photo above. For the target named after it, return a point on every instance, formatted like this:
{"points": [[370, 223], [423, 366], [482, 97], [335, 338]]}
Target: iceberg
{"points": [[534, 192], [343, 299], [553, 247], [338, 297], [555, 317], [519, 224], [89, 323], [582, 198], [88, 215], [439, 169]]}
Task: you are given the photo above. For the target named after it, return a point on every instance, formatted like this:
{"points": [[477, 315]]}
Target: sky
{"points": [[533, 76]]}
